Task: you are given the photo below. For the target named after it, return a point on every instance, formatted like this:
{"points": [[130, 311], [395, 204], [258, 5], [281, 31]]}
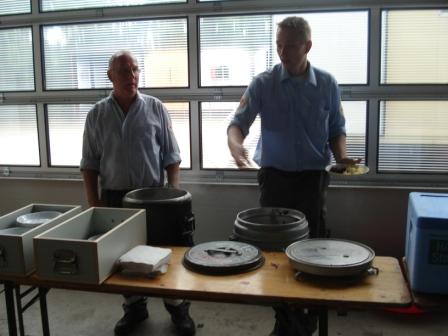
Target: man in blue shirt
{"points": [[301, 125], [129, 144]]}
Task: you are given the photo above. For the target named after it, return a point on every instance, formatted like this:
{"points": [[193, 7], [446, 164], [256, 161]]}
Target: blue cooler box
{"points": [[427, 242]]}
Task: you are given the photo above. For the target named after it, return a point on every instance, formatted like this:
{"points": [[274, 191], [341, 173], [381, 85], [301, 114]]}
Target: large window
{"points": [[236, 48], [66, 127], [76, 56], [198, 56], [19, 136], [215, 118], [16, 59]]}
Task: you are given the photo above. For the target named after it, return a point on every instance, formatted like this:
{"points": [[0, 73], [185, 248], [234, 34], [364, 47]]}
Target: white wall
{"points": [[374, 216]]}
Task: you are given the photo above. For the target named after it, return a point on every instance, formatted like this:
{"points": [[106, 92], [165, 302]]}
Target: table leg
{"points": [[44, 311], [10, 309], [19, 311], [323, 322]]}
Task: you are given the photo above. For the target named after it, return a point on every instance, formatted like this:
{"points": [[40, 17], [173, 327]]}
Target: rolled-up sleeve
{"points": [[337, 119], [170, 148], [247, 110], [90, 156]]}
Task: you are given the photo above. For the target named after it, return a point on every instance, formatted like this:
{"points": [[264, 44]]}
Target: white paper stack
{"points": [[145, 260]]}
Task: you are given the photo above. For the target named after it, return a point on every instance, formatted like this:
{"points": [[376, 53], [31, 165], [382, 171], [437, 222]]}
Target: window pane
{"points": [[77, 56], [15, 7], [16, 60], [18, 135], [355, 113], [233, 49], [414, 46], [65, 130], [180, 118], [66, 127], [215, 117], [56, 5], [413, 136]]}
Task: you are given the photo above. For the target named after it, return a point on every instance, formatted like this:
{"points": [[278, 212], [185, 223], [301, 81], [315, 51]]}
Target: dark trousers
{"points": [[113, 198], [304, 191]]}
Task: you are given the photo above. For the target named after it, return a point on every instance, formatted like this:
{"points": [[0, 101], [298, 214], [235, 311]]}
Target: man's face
{"points": [[292, 51], [124, 76]]}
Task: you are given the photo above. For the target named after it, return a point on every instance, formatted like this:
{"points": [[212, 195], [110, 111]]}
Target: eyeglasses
{"points": [[129, 72]]}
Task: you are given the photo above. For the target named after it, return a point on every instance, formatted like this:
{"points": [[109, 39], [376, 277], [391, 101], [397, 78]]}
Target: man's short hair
{"points": [[117, 55], [298, 25]]}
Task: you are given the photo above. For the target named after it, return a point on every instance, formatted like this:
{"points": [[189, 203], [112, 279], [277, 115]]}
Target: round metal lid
{"points": [[330, 257], [223, 257]]}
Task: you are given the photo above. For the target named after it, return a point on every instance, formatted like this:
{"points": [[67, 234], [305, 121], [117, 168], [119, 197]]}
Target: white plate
{"points": [[343, 169], [15, 230], [34, 219]]}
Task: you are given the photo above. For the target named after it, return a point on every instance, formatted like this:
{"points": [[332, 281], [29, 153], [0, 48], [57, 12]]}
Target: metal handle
{"points": [[65, 262], [3, 259], [189, 225], [227, 251]]}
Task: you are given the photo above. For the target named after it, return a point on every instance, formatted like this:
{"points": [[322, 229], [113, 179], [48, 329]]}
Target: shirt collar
{"points": [[310, 76]]}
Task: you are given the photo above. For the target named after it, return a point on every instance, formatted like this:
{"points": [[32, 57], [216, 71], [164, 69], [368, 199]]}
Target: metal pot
{"points": [[271, 229]]}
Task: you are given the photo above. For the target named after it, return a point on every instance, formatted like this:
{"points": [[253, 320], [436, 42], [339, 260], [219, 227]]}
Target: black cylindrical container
{"points": [[169, 219]]}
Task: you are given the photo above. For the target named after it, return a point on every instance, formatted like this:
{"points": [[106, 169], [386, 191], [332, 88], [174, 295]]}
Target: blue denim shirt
{"points": [[298, 117], [129, 151]]}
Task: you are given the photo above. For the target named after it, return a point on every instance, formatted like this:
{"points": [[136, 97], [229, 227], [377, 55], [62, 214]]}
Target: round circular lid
{"points": [[223, 257], [36, 218], [330, 257]]}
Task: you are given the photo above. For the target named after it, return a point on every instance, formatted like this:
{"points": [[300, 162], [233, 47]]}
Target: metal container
{"points": [[169, 218], [16, 242], [330, 257], [270, 229], [69, 253]]}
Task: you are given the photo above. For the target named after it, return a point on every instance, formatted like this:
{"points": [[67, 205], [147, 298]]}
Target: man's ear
{"points": [[308, 46], [109, 75]]}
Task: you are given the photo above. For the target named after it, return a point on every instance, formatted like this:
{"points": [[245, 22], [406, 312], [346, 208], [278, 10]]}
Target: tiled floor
{"points": [[93, 314]]}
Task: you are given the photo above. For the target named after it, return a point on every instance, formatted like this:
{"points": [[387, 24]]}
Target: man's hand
{"points": [[349, 161], [240, 155]]}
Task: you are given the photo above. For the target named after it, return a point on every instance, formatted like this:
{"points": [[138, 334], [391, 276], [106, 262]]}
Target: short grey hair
{"points": [[117, 55], [298, 26]]}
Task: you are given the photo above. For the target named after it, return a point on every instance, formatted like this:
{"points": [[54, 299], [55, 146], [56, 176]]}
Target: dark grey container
{"points": [[169, 217], [270, 229]]}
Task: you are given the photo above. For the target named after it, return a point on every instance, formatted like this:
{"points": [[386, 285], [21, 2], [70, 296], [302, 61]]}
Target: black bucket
{"points": [[169, 219]]}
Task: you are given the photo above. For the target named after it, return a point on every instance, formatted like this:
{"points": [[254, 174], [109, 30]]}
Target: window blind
{"points": [[57, 5], [413, 137], [414, 47], [16, 59], [19, 135], [233, 49], [215, 118], [76, 56], [9, 7], [66, 128]]}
